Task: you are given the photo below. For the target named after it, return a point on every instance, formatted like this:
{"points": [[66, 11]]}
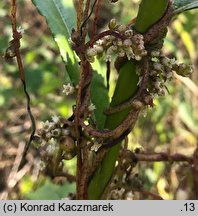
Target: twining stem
{"points": [[16, 37], [79, 14], [96, 17], [16, 43]]}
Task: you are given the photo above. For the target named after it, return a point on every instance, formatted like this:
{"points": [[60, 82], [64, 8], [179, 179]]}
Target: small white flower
{"points": [[138, 57], [155, 53], [99, 49], [56, 132], [55, 119], [122, 28], [43, 143], [95, 146], [91, 52], [68, 89], [65, 132], [20, 30], [119, 43], [130, 54], [144, 113], [166, 61], [128, 33], [121, 53], [172, 61], [51, 148], [42, 165], [127, 43], [48, 135], [158, 66], [100, 42], [91, 107], [153, 73], [47, 126], [108, 58]]}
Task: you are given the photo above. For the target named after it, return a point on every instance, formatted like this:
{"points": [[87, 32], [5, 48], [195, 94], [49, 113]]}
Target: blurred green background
{"points": [[171, 126]]}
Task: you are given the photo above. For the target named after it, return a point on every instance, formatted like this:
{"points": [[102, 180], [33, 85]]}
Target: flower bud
{"points": [[128, 33], [121, 28], [67, 144], [127, 43], [112, 24], [91, 52]]}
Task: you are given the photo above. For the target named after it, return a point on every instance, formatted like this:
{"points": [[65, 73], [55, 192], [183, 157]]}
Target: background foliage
{"points": [[170, 126]]}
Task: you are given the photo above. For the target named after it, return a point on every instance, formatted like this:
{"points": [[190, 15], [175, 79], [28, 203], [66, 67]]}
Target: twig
{"points": [[79, 14], [16, 43], [96, 17], [87, 9], [115, 133], [87, 18], [153, 157]]}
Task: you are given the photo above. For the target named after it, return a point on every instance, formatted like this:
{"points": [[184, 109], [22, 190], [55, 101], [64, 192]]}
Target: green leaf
{"points": [[61, 17], [147, 16], [99, 97], [50, 191], [184, 5]]}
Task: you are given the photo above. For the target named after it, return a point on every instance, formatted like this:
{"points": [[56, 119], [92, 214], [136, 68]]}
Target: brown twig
{"points": [[115, 133], [87, 9], [79, 14], [16, 44], [76, 121], [16, 40], [96, 17], [153, 157]]}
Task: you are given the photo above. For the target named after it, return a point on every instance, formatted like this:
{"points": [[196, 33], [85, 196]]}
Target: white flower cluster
{"points": [[132, 46], [51, 129], [52, 137], [161, 71], [95, 146]]}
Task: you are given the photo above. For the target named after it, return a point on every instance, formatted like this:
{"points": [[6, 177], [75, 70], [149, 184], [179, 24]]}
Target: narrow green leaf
{"points": [[184, 5], [61, 17], [100, 98], [148, 15]]}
